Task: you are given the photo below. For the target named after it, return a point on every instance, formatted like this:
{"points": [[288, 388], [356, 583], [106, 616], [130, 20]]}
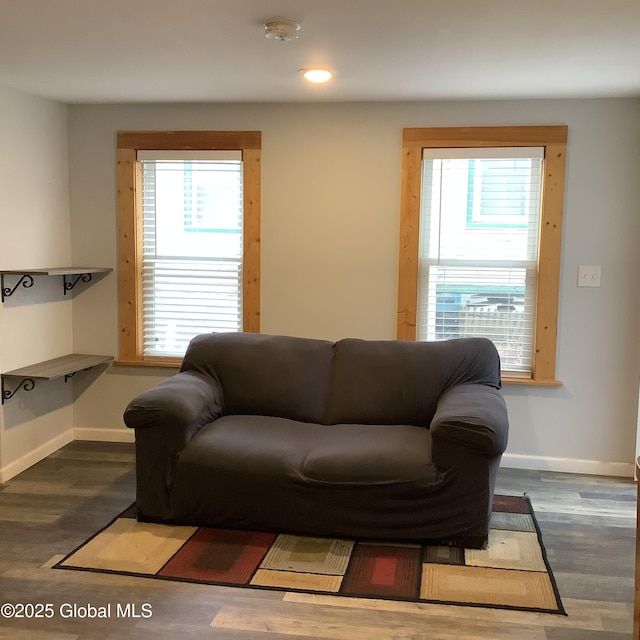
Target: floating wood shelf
{"points": [[65, 366], [70, 277]]}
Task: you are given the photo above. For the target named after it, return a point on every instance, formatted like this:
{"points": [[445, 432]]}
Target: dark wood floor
{"points": [[588, 526]]}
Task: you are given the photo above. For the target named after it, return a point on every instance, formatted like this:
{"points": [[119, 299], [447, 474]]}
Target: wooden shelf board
{"points": [[56, 271], [58, 367]]}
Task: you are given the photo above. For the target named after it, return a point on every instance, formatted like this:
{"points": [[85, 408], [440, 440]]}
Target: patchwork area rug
{"points": [[512, 573]]}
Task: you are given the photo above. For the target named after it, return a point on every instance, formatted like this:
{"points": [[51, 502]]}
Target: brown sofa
{"points": [[375, 439]]}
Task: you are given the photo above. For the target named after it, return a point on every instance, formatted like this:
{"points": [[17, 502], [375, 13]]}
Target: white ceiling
{"points": [[86, 51]]}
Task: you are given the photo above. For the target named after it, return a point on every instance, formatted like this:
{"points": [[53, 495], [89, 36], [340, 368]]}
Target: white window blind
{"points": [[480, 212], [192, 247]]}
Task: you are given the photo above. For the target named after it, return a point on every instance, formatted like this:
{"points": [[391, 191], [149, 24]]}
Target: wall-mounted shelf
{"points": [[64, 367], [70, 277]]}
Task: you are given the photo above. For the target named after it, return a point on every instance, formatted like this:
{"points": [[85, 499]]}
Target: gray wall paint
{"points": [[331, 194], [35, 323]]}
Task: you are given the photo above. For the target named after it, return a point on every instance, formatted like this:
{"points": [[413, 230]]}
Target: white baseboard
{"points": [[39, 453], [104, 435], [509, 460], [568, 465]]}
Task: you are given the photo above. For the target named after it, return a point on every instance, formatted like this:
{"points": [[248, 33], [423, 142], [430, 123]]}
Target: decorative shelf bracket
{"points": [[69, 284], [70, 277], [68, 376], [27, 384], [26, 281]]}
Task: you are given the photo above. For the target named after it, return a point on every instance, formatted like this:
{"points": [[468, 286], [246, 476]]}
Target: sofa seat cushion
{"points": [[308, 453], [368, 455], [278, 474]]}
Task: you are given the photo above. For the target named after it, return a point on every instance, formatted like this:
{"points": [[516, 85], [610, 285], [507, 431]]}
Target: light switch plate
{"points": [[588, 276]]}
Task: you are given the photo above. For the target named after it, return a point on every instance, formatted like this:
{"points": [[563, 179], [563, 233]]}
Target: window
{"points": [[481, 220], [189, 237]]}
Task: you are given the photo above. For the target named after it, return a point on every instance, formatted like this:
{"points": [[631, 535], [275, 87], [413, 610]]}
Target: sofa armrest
{"points": [[473, 417], [166, 418], [185, 400]]}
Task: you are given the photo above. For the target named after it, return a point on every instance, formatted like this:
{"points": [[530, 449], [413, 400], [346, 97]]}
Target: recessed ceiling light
{"points": [[317, 75]]}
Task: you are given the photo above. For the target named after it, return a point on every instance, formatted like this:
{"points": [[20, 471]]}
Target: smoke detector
{"points": [[281, 29]]}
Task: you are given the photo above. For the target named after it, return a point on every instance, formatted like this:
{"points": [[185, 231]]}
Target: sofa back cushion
{"points": [[266, 375], [394, 382]]}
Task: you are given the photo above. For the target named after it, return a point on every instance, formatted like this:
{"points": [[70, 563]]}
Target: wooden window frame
{"points": [[554, 141], [129, 180]]}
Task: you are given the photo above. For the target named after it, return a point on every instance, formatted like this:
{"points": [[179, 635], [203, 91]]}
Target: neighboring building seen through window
{"points": [[189, 239], [192, 248], [478, 248], [480, 241]]}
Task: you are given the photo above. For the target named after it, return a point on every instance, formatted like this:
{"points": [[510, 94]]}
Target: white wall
{"points": [[331, 194], [35, 323]]}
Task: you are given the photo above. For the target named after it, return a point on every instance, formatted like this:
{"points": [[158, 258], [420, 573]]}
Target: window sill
{"points": [[513, 380], [150, 362]]}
